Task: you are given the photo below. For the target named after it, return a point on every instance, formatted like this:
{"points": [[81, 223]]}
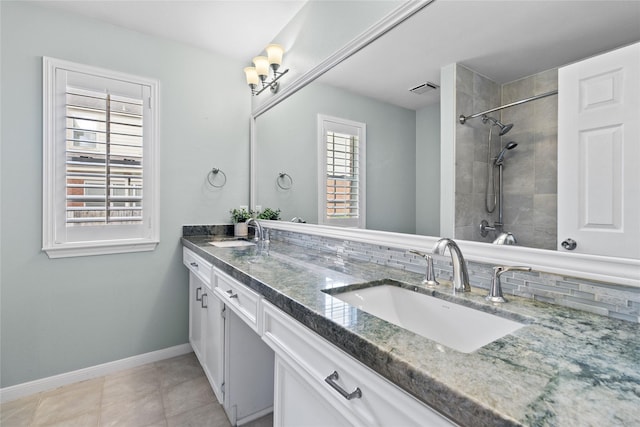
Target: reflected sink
{"points": [[458, 327], [231, 243]]}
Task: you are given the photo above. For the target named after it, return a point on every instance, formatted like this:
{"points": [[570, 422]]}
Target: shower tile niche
{"points": [[530, 171]]}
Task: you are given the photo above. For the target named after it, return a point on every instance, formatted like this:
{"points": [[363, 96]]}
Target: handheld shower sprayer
{"points": [[500, 159]]}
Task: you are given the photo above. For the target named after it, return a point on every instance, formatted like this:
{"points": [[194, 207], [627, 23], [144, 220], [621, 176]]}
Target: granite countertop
{"points": [[564, 368]]}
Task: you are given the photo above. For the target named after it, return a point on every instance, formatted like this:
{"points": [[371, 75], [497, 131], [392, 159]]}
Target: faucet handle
{"points": [[430, 276], [504, 268], [495, 292], [422, 254]]}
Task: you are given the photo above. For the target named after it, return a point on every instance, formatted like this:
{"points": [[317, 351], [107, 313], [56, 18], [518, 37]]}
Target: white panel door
{"points": [[196, 289], [214, 343], [599, 154]]}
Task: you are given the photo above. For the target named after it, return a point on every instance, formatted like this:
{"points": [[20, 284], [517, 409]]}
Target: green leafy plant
{"points": [[269, 213], [239, 215]]}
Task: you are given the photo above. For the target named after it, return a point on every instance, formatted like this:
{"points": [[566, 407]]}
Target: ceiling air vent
{"points": [[424, 88]]}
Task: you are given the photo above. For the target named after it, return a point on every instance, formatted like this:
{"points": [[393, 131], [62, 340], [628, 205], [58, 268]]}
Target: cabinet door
{"points": [[213, 343], [196, 288], [599, 153], [298, 404]]}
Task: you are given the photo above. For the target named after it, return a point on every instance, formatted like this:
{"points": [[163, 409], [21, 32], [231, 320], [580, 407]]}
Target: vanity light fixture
{"points": [[260, 73]]}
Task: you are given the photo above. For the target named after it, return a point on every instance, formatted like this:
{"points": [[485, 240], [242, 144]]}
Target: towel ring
{"points": [[282, 179], [212, 176]]}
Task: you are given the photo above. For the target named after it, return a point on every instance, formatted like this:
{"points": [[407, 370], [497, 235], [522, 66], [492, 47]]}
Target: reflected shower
{"points": [[503, 238], [495, 122]]}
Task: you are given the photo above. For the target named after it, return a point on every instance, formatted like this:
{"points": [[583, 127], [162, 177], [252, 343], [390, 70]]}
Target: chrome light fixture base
{"points": [[273, 84]]}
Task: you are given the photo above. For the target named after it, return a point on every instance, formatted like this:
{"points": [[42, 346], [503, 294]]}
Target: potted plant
{"points": [[239, 218], [269, 214]]}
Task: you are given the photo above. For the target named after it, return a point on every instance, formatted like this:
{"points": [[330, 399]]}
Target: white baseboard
{"points": [[25, 389]]}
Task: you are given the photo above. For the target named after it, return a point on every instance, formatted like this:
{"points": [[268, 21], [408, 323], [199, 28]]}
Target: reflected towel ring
{"points": [[212, 176], [282, 179]]}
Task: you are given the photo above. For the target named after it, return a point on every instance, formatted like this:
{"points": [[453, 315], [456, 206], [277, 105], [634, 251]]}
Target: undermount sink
{"points": [[458, 327], [231, 243]]}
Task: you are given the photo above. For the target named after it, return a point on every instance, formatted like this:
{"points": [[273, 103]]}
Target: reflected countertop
{"points": [[564, 368]]}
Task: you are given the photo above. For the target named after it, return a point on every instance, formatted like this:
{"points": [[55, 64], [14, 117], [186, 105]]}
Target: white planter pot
{"points": [[240, 229]]}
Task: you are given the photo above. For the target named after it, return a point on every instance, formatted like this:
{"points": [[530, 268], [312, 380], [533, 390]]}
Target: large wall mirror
{"points": [[497, 52]]}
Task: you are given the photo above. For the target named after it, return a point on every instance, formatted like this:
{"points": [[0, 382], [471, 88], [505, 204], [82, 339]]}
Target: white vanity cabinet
{"points": [[206, 324], [317, 384]]}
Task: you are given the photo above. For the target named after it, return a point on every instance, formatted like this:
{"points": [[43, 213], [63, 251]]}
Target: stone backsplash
{"points": [[606, 299]]}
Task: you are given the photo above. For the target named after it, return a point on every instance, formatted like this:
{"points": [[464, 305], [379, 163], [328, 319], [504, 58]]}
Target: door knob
{"points": [[569, 244]]}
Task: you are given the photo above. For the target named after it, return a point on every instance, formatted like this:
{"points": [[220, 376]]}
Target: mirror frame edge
{"points": [[623, 271]]}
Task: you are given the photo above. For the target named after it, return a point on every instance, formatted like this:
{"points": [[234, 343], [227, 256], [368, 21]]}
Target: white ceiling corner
{"points": [[238, 29]]}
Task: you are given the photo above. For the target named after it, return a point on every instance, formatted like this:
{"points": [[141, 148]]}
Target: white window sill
{"points": [[99, 248]]}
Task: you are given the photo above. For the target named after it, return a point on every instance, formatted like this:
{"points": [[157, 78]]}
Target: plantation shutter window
{"points": [[341, 183], [100, 172]]}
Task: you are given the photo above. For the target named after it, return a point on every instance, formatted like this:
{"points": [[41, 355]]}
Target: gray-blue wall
{"points": [[287, 142], [428, 170], [66, 314]]}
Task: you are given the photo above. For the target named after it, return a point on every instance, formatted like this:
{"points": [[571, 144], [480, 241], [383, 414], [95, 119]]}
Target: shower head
{"points": [[495, 122], [504, 128], [500, 159]]}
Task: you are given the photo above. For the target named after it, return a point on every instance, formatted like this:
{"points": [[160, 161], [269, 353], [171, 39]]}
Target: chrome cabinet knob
{"points": [[569, 244]]}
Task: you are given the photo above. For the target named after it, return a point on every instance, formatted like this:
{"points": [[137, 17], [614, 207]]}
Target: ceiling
{"points": [[502, 40], [238, 29]]}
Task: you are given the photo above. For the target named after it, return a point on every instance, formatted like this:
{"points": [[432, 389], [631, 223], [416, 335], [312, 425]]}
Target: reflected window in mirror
{"points": [[341, 147]]}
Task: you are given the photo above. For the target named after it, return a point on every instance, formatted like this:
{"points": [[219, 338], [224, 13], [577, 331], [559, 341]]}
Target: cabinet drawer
{"points": [[380, 403], [197, 265], [238, 297]]}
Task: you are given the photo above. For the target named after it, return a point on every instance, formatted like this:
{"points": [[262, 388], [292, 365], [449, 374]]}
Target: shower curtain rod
{"points": [[464, 118]]}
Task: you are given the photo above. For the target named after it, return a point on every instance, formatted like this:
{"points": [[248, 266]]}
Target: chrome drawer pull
{"points": [[233, 296], [354, 394], [202, 304], [194, 264], [230, 291], [198, 290]]}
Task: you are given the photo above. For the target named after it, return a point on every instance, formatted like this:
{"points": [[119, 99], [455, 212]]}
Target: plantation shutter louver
{"points": [[342, 175], [104, 152]]}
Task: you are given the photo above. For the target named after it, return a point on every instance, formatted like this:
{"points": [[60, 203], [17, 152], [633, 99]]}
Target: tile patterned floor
{"points": [[172, 392]]}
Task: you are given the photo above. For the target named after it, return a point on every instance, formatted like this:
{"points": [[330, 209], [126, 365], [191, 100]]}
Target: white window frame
{"points": [[58, 240], [336, 124]]}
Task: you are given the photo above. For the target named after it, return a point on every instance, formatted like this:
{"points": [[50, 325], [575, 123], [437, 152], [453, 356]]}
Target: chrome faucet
{"points": [[460, 274], [259, 233]]}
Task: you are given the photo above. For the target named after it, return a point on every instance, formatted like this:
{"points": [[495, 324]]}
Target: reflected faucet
{"points": [[460, 274], [259, 233]]}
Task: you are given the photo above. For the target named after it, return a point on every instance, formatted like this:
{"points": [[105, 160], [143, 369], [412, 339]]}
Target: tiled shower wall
{"points": [[616, 301], [474, 93], [530, 171]]}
